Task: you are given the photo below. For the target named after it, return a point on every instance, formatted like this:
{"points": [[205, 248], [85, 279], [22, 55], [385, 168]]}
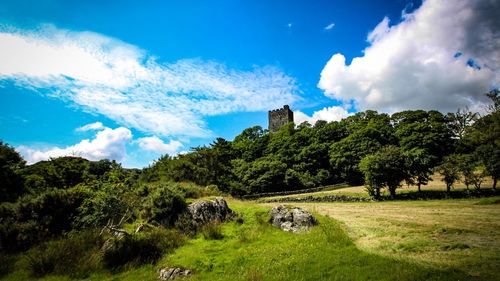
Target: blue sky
{"points": [[155, 77]]}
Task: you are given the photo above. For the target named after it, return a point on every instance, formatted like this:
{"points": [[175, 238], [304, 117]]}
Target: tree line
{"points": [[368, 147]]}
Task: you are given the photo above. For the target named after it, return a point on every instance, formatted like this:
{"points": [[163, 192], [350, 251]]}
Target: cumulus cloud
{"points": [[107, 76], [330, 26], [333, 113], [107, 144], [155, 144], [91, 127], [444, 55]]}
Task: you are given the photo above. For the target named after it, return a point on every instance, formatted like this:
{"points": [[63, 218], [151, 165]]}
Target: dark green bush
{"points": [[105, 204], [76, 255], [164, 204], [140, 248], [6, 264], [38, 217]]}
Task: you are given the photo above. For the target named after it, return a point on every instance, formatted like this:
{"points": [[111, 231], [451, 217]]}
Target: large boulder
{"points": [[292, 220], [209, 211]]}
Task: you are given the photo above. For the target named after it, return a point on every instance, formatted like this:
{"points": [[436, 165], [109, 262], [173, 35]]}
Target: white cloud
{"points": [[107, 144], [106, 76], [154, 143], [332, 113], [414, 64], [96, 126], [330, 26]]}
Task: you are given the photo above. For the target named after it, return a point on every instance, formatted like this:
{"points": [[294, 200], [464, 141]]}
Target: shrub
{"points": [[163, 205], [38, 217], [140, 248], [76, 255], [104, 205], [6, 264]]}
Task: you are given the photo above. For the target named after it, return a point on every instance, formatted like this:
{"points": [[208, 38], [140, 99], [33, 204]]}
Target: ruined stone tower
{"points": [[279, 117]]}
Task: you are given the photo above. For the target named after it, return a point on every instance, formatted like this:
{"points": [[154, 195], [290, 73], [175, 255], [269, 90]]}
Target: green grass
{"points": [[254, 250]]}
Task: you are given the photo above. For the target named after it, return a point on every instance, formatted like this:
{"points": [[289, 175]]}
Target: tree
{"points": [[466, 165], [385, 168], [490, 157], [369, 132], [494, 96], [251, 143], [419, 164], [262, 175], [449, 169], [485, 136], [11, 181], [461, 121]]}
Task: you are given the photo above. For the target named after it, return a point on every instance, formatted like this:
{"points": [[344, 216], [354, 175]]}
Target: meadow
{"points": [[419, 240]]}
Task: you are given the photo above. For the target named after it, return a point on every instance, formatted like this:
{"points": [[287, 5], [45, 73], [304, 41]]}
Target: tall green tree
{"points": [[450, 171], [385, 168], [485, 136], [368, 132]]}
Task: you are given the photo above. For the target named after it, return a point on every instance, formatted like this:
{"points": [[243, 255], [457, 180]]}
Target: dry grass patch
{"points": [[461, 234]]}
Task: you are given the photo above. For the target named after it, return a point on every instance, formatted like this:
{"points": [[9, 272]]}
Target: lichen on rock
{"points": [[291, 220]]}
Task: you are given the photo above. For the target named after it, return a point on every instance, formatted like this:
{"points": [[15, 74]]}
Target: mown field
{"points": [[441, 234], [427, 240]]}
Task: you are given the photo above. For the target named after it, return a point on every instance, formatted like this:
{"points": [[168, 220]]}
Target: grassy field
{"points": [[431, 240], [441, 234]]}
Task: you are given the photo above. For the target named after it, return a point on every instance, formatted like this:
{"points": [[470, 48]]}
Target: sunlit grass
{"points": [[431, 240], [461, 234]]}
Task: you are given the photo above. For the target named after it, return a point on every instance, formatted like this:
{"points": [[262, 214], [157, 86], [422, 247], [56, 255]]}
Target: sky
{"points": [[134, 80]]}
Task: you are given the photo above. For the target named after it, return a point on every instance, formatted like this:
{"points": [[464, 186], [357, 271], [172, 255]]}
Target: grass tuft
{"points": [[212, 231]]}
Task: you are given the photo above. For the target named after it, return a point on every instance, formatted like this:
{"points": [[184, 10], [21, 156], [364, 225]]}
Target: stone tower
{"points": [[279, 117]]}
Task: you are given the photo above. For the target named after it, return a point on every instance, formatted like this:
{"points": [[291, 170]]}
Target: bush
{"points": [[36, 218], [76, 255], [105, 204], [6, 264], [163, 205], [140, 248]]}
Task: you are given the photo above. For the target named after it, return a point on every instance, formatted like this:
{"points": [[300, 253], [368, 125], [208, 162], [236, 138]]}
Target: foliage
{"points": [[11, 181], [77, 255], [39, 217], [449, 169], [163, 204], [385, 168], [140, 248], [105, 204]]}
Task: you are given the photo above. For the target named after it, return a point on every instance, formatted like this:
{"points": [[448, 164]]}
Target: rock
{"points": [[294, 220], [209, 211], [172, 273]]}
